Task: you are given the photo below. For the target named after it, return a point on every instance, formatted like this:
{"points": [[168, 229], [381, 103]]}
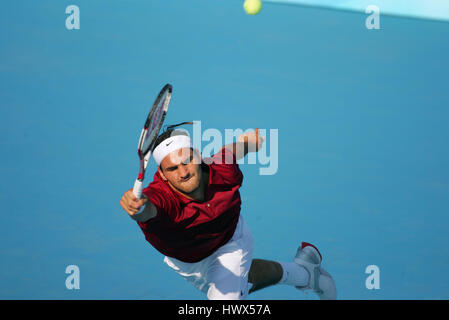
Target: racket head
{"points": [[154, 122], [149, 134]]}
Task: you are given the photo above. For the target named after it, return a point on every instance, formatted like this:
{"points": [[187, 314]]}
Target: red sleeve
{"points": [[226, 166], [159, 200]]}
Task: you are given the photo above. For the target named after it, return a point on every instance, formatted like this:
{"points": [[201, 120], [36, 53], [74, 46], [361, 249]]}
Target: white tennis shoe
{"points": [[320, 281]]}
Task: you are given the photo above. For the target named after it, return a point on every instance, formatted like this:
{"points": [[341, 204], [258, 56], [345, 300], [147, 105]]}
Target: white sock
{"points": [[294, 274]]}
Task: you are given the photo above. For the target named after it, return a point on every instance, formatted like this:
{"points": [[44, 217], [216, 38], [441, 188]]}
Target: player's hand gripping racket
{"points": [[150, 133]]}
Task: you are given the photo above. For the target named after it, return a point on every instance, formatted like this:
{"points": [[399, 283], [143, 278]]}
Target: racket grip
{"points": [[138, 187]]}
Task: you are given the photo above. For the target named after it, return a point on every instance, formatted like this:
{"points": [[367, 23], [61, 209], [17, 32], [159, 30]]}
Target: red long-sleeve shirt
{"points": [[190, 230]]}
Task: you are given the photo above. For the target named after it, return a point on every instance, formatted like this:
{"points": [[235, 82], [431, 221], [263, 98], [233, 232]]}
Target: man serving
{"points": [[191, 214]]}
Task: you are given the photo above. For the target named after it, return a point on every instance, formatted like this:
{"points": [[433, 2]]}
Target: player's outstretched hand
{"points": [[130, 203], [253, 140]]}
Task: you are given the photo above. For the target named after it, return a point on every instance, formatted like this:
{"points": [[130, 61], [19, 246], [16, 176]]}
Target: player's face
{"points": [[182, 170]]}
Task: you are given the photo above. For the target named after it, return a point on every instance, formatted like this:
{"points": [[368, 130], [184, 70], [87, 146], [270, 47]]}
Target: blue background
{"points": [[362, 118]]}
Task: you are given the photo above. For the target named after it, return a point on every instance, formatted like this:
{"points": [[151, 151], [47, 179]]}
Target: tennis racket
{"points": [[149, 134]]}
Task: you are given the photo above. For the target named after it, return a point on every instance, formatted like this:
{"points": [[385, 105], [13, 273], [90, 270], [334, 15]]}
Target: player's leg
{"points": [[227, 276], [194, 273], [265, 273], [305, 272]]}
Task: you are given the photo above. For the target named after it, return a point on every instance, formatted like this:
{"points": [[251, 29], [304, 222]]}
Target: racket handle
{"points": [[138, 187]]}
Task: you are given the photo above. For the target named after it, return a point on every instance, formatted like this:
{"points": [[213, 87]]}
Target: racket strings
{"points": [[156, 118]]}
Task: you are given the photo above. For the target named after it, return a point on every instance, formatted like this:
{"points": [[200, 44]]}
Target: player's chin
{"points": [[189, 186]]}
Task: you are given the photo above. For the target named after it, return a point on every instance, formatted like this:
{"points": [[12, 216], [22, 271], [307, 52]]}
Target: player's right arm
{"points": [[132, 206]]}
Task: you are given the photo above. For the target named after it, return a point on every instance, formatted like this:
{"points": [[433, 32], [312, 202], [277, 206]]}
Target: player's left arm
{"points": [[246, 143]]}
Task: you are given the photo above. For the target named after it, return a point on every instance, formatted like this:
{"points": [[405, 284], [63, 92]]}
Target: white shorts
{"points": [[224, 274]]}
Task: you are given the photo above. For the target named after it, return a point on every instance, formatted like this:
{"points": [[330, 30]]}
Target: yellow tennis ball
{"points": [[252, 6]]}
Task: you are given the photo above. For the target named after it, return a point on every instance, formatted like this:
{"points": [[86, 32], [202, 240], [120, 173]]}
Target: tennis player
{"points": [[191, 214]]}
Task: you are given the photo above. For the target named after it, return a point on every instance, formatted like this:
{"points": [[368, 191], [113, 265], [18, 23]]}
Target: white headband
{"points": [[169, 145]]}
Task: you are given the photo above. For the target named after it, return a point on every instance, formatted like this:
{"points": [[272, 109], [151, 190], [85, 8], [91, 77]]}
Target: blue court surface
{"points": [[361, 115]]}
